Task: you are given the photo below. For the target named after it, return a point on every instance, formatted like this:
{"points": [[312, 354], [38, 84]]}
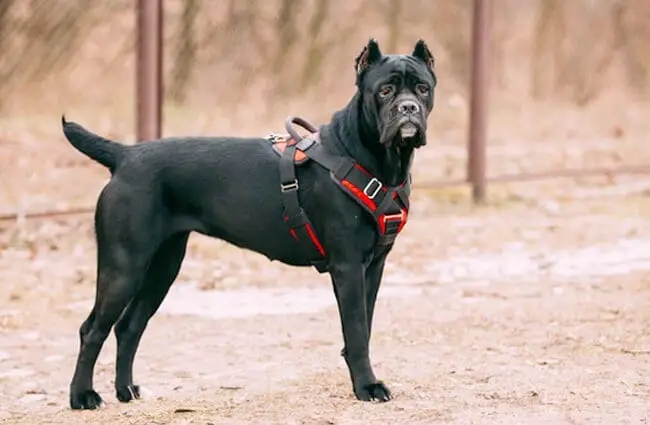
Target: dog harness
{"points": [[388, 205]]}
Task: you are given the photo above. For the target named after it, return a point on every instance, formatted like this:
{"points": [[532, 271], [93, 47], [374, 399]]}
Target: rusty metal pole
{"points": [[479, 86], [149, 69]]}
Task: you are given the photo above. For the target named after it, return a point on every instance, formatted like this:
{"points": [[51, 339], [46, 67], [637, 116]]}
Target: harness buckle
{"points": [[372, 193], [288, 187], [392, 223], [396, 216]]}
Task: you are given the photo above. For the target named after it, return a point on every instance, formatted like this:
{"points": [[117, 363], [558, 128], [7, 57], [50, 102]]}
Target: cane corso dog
{"points": [[334, 198]]}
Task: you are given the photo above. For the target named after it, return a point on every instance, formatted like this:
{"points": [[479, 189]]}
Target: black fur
{"points": [[104, 151], [422, 52], [228, 188]]}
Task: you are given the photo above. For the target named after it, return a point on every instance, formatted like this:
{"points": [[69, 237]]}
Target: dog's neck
{"points": [[390, 165]]}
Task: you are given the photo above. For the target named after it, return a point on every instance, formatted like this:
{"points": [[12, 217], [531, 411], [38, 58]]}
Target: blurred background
{"points": [[534, 304], [568, 79]]}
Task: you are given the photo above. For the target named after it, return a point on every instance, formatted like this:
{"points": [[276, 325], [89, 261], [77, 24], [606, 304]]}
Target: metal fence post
{"points": [[149, 69], [476, 165]]}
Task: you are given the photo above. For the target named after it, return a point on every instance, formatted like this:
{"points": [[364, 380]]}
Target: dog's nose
{"points": [[408, 107]]}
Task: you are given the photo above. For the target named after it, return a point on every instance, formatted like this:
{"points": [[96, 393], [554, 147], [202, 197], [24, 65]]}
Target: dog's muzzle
{"points": [[409, 111], [408, 107]]}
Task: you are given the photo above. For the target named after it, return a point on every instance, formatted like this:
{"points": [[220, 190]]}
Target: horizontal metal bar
{"points": [[504, 178], [542, 175], [569, 173], [45, 214]]}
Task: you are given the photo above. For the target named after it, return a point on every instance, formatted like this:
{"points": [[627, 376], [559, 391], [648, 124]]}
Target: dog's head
{"points": [[397, 93]]}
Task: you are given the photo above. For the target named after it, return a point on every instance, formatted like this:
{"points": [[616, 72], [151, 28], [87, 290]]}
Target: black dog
{"points": [[346, 205]]}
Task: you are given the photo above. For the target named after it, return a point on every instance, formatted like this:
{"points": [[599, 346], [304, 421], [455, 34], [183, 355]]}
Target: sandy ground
{"points": [[530, 309], [526, 310]]}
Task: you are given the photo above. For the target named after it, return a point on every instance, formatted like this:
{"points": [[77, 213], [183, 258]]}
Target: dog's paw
{"points": [[373, 392], [128, 393], [86, 400]]}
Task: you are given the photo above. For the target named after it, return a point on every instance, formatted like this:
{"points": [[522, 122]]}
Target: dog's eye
{"points": [[386, 90], [422, 89]]}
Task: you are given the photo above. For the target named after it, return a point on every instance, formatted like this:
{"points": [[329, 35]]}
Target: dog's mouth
{"points": [[408, 130], [410, 133], [404, 133]]}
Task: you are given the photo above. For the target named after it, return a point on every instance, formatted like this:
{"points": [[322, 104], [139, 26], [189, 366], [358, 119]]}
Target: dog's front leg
{"points": [[349, 288], [374, 274]]}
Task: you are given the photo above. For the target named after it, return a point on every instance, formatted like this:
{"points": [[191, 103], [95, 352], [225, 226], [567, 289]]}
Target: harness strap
{"points": [[301, 228], [374, 195], [340, 166], [388, 206], [367, 190]]}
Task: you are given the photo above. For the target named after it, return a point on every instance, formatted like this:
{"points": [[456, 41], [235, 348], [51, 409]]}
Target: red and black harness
{"points": [[388, 205]]}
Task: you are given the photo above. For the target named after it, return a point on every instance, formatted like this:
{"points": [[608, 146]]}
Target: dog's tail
{"points": [[104, 151]]}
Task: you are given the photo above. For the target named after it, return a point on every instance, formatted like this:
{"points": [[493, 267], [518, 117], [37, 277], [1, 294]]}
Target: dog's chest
{"points": [[387, 205]]}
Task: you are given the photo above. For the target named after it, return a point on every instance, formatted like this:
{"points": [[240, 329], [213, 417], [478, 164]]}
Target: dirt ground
{"points": [[530, 309]]}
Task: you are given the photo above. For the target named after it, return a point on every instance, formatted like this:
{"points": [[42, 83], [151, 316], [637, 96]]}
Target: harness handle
{"points": [[288, 124]]}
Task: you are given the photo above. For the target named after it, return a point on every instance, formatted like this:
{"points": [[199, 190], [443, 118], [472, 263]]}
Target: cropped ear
{"points": [[368, 57], [422, 52]]}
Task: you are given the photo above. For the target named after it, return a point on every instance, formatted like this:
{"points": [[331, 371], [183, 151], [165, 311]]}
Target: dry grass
{"points": [[242, 67]]}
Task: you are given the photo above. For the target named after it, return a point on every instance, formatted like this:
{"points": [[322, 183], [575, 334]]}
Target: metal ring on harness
{"points": [[288, 124]]}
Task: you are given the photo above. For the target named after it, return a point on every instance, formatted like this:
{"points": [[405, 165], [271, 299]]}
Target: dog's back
{"points": [[224, 187]]}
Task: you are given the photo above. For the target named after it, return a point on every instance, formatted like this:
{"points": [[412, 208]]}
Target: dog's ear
{"points": [[422, 52], [368, 57]]}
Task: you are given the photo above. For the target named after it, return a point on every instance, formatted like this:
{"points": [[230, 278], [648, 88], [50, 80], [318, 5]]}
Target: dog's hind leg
{"points": [[116, 285], [162, 272], [122, 260]]}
